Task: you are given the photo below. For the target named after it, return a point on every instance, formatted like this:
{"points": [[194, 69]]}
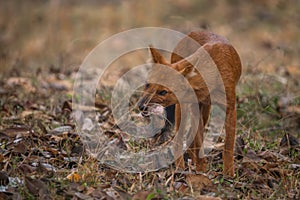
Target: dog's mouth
{"points": [[145, 113], [153, 110], [156, 110]]}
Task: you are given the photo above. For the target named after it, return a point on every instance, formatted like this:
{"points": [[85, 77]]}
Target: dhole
{"points": [[228, 64]]}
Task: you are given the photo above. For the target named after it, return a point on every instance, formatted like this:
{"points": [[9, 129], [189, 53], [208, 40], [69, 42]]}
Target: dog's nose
{"points": [[142, 106]]}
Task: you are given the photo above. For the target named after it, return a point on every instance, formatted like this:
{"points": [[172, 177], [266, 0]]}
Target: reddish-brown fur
{"points": [[229, 67]]}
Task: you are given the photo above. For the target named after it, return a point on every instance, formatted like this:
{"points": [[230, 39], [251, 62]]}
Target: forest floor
{"points": [[42, 155]]}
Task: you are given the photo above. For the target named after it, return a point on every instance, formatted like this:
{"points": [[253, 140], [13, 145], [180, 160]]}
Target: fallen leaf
{"points": [[83, 196], [275, 170], [88, 125], [20, 148], [294, 166], [112, 193], [100, 194], [26, 113], [293, 70], [4, 180], [67, 106], [7, 195], [141, 195], [46, 168], [268, 156], [44, 194], [202, 197], [293, 109], [251, 156], [3, 136], [84, 108], [181, 187], [77, 150], [26, 169], [25, 83], [90, 190], [57, 84], [2, 158], [51, 150], [72, 188], [198, 181], [289, 141], [272, 156], [61, 130], [3, 91], [249, 166], [35, 186], [74, 177], [20, 131], [239, 147]]}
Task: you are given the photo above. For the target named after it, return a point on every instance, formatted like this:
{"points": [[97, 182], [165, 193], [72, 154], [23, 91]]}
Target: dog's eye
{"points": [[162, 93], [147, 85]]}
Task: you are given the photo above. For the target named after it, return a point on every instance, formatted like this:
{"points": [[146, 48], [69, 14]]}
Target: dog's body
{"points": [[205, 84]]}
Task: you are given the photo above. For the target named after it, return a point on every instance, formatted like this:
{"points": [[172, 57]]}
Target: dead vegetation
{"points": [[41, 154]]}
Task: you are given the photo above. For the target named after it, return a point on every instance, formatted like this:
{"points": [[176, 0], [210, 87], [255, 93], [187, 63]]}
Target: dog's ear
{"points": [[156, 56], [185, 66]]}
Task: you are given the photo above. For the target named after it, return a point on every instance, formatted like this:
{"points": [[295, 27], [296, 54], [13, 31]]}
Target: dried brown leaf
{"points": [[293, 109], [239, 147], [271, 156], [83, 196], [84, 108], [89, 190], [58, 84], [26, 169], [67, 106], [74, 177], [289, 140], [36, 113], [35, 186], [61, 130], [112, 193], [25, 83], [198, 181], [51, 150], [293, 70], [181, 187], [4, 180], [20, 131], [20, 148], [141, 195], [202, 197], [251, 156], [99, 193]]}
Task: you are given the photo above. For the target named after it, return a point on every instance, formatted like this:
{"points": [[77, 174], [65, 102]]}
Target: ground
{"points": [[42, 45]]}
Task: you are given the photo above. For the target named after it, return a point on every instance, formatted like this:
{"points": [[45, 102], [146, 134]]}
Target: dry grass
{"points": [[47, 41]]}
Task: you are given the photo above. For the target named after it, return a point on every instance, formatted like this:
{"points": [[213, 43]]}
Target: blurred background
{"points": [[41, 34]]}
